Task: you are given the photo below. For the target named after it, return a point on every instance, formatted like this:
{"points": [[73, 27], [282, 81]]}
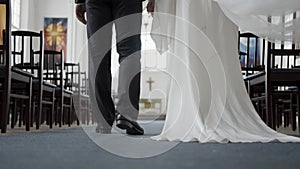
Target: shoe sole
{"points": [[130, 129]]}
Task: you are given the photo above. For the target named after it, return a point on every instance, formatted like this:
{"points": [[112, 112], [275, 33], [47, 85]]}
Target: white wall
{"points": [[34, 12]]}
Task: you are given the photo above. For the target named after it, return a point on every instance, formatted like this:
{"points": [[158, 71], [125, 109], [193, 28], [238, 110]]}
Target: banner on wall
{"points": [[55, 34]]}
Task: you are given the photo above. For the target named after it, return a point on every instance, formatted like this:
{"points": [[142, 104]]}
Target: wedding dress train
{"points": [[207, 99]]}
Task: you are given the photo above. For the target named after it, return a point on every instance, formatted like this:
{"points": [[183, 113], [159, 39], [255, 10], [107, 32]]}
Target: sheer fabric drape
{"points": [[207, 99], [276, 20]]}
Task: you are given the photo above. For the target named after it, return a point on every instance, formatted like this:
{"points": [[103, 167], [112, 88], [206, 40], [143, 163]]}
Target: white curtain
{"points": [[207, 97]]}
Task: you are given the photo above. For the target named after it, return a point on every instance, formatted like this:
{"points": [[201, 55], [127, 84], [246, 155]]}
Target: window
{"points": [[16, 13]]}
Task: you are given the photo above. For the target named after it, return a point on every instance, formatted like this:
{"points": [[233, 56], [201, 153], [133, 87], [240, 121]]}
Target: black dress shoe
{"points": [[131, 127]]}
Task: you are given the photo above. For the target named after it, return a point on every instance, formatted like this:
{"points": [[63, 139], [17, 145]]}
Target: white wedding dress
{"points": [[207, 99]]}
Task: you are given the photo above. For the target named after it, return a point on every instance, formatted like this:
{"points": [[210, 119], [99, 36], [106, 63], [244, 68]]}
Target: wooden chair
{"points": [[252, 58], [280, 79], [16, 85], [54, 73], [43, 92], [279, 97], [73, 83]]}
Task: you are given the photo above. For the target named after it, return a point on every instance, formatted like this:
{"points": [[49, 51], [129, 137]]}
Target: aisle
{"points": [[72, 149]]}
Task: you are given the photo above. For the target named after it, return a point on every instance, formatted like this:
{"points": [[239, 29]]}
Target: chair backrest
{"points": [[27, 51], [283, 58], [252, 53], [283, 67], [53, 67]]}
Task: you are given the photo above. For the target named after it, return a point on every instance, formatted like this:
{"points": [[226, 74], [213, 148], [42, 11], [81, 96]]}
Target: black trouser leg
{"points": [[99, 27], [99, 15], [128, 19]]}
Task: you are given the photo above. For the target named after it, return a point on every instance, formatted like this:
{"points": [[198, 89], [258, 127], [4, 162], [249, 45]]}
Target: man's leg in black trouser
{"points": [[99, 14], [127, 19]]}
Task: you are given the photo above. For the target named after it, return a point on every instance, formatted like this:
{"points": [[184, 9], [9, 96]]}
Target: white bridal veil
{"points": [[207, 98]]}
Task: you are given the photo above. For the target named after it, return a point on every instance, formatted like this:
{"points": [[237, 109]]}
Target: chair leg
{"points": [[59, 117], [298, 110], [277, 115], [51, 118], [27, 118], [294, 120], [64, 116], [258, 109], [21, 113], [78, 118], [73, 113], [13, 113], [28, 110], [87, 114], [292, 112], [286, 119], [33, 115], [61, 113], [52, 110], [56, 110], [280, 115], [273, 121], [69, 117], [78, 115], [5, 105], [1, 105], [70, 113], [39, 112]]}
